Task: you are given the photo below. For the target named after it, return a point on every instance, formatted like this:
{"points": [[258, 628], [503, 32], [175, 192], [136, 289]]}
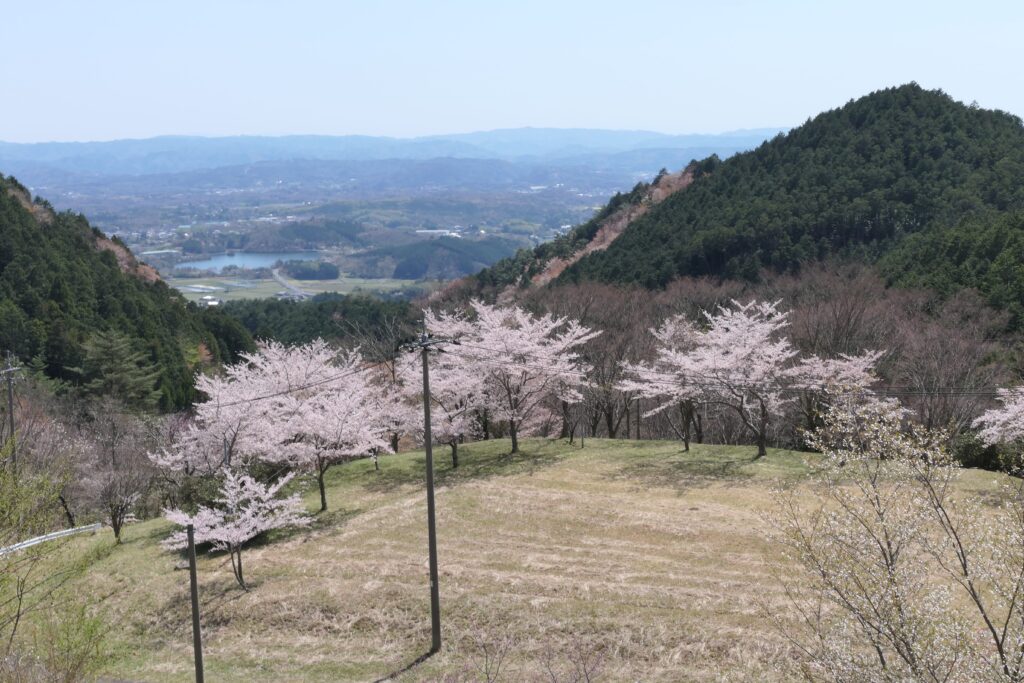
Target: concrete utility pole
{"points": [[8, 373], [424, 344]]}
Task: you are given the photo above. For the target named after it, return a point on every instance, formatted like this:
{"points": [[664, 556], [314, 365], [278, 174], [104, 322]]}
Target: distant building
{"points": [[439, 233]]}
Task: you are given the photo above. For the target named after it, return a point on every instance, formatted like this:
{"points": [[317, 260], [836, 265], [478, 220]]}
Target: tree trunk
{"points": [[609, 421], [236, 566], [638, 411], [515, 437], [67, 511], [455, 453], [485, 423], [320, 470], [762, 432], [687, 412], [394, 442], [629, 425], [565, 421]]}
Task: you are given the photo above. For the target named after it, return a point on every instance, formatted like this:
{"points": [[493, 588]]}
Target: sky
{"points": [[101, 70]]}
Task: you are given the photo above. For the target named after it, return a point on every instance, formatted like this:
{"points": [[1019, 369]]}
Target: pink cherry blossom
{"points": [[245, 509]]}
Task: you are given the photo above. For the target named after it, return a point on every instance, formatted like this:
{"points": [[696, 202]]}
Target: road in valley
{"points": [[291, 289]]}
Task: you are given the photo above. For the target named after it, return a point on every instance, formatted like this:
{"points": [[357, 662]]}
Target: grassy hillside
{"points": [[653, 558]]}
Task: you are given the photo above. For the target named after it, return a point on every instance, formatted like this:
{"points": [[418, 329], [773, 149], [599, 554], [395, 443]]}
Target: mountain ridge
{"points": [[184, 153], [62, 282], [902, 178]]}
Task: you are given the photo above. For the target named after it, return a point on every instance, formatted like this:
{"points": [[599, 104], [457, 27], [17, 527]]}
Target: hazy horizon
{"points": [[737, 132], [120, 70]]}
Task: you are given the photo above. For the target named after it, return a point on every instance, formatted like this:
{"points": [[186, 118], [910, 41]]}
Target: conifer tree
{"points": [[113, 367]]}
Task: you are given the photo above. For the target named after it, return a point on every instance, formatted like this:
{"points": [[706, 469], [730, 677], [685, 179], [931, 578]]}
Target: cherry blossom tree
{"points": [[814, 377], [523, 359], [903, 578], [222, 423], [1004, 424], [378, 343], [398, 404], [456, 391], [741, 361], [325, 410], [307, 407], [245, 509], [670, 378], [193, 452]]}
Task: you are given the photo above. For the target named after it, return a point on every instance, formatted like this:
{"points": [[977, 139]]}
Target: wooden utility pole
{"points": [[424, 344], [197, 635]]}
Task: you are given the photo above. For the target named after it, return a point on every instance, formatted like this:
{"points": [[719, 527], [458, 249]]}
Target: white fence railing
{"points": [[49, 537]]}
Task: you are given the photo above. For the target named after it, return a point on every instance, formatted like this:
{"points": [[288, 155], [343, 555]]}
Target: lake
{"points": [[248, 260]]}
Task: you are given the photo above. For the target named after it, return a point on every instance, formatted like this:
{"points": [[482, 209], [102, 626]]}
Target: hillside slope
{"points": [[615, 549], [545, 263], [61, 281], [858, 179], [929, 189], [653, 561]]}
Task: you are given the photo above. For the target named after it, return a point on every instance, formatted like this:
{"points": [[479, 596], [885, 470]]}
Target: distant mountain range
{"points": [[547, 146]]}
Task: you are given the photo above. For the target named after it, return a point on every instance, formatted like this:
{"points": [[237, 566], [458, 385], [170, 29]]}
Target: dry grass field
{"points": [[648, 561]]}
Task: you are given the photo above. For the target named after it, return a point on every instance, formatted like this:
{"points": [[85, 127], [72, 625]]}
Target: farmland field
{"points": [[231, 288]]}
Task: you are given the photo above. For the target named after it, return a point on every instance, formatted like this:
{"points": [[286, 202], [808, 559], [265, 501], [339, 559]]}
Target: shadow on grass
{"points": [[215, 594], [154, 535], [473, 465], [328, 519], [685, 471], [405, 669]]}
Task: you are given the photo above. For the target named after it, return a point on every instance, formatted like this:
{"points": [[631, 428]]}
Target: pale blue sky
{"points": [[100, 69]]}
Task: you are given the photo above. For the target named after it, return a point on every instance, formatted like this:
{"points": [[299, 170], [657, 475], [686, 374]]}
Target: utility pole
{"points": [[8, 373], [197, 635], [424, 344]]}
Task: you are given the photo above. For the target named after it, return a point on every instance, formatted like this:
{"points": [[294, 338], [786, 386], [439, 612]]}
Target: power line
{"points": [[496, 358], [303, 387], [665, 376], [722, 382], [901, 388]]}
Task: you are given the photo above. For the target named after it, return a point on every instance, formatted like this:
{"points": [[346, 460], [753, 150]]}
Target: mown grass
{"points": [[651, 559]]}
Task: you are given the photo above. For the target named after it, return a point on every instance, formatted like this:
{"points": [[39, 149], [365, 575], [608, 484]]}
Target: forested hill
{"points": [[928, 188], [64, 286]]}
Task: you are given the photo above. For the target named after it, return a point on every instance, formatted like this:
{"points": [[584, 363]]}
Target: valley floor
{"points": [[650, 561]]}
